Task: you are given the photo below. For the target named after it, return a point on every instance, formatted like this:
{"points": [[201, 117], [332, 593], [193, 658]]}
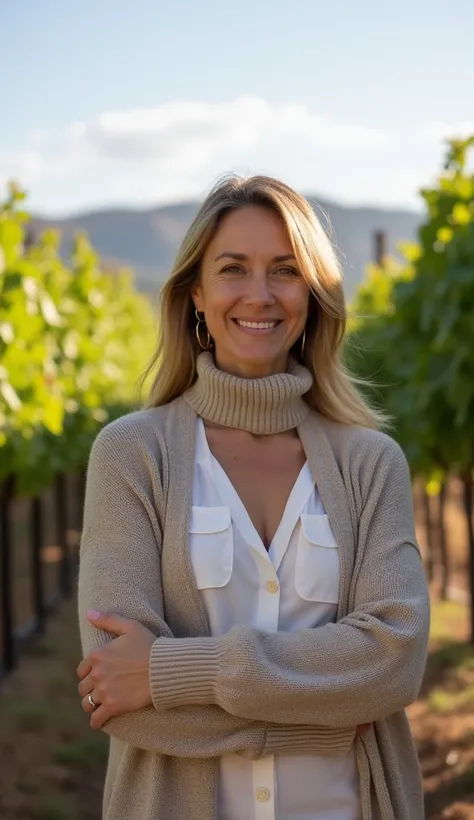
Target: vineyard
{"points": [[74, 341], [412, 337]]}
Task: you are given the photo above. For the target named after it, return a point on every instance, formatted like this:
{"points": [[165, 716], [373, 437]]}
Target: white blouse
{"points": [[293, 586]]}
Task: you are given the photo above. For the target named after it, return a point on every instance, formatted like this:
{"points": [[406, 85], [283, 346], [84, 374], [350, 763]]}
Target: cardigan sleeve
{"points": [[119, 571], [361, 669]]}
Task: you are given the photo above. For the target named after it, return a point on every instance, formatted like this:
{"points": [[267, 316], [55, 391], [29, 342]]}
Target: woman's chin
{"points": [[253, 361]]}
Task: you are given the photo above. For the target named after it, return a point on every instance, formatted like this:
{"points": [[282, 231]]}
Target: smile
{"points": [[257, 325]]}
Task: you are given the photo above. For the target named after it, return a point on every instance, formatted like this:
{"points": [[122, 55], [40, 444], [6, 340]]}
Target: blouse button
{"points": [[262, 795], [272, 586]]}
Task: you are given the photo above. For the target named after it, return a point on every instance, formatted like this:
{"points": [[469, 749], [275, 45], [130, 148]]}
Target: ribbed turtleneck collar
{"points": [[267, 405]]}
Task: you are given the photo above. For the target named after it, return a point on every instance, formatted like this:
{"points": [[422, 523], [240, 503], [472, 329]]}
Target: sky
{"points": [[109, 103]]}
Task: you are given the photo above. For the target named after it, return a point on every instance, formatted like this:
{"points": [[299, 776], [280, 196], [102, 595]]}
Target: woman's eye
{"points": [[232, 269], [286, 271], [282, 271]]}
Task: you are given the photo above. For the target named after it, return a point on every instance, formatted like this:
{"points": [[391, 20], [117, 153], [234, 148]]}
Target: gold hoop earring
{"points": [[201, 321], [303, 341]]}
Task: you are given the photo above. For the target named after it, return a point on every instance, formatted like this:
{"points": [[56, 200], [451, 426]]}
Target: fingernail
{"points": [[93, 614]]}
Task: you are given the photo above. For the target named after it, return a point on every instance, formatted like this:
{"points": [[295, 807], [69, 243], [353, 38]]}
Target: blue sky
{"points": [[136, 103]]}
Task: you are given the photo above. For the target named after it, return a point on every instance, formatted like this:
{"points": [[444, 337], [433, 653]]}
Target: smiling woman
{"points": [[258, 218], [262, 612], [256, 306]]}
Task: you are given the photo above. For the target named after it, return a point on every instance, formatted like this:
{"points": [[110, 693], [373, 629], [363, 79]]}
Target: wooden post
{"points": [[62, 519], [36, 534], [380, 239], [8, 659], [469, 512]]}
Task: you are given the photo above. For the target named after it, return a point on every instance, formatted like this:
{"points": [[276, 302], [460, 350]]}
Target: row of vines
{"points": [[73, 342], [412, 337]]}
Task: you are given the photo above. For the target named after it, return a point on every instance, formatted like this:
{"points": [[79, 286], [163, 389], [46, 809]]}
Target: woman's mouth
{"points": [[257, 327]]}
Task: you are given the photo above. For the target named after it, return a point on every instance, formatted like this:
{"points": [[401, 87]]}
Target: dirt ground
{"points": [[52, 762], [442, 719]]}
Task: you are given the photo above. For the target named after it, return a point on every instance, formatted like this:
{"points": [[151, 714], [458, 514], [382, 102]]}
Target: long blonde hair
{"points": [[334, 392]]}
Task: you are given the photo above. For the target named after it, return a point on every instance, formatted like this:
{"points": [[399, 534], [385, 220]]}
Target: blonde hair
{"points": [[335, 392]]}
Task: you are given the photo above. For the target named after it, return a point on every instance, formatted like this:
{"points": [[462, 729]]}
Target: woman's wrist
{"points": [[183, 671]]}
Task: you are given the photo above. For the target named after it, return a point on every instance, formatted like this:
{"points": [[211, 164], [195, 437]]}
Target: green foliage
{"points": [[444, 702], [73, 342], [29, 715], [54, 807], [86, 751], [412, 328]]}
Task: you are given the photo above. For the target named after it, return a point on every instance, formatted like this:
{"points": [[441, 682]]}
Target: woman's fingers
{"points": [[99, 714], [98, 717], [84, 667], [85, 686], [86, 704], [118, 672]]}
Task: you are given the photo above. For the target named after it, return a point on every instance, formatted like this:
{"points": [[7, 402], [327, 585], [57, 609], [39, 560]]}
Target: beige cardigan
{"points": [[248, 691]]}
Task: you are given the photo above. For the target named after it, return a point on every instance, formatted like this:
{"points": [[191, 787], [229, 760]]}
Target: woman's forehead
{"points": [[250, 230]]}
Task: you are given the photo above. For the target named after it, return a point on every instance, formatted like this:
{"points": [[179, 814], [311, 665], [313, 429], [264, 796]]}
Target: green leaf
{"points": [[49, 311], [7, 333], [53, 414], [9, 395], [461, 214]]}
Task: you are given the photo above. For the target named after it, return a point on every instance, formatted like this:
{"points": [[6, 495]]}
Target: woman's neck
{"points": [[265, 405]]}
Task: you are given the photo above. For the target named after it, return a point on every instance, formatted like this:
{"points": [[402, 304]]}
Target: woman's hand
{"points": [[116, 676]]}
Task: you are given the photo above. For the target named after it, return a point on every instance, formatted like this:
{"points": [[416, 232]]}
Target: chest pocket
{"points": [[211, 546], [317, 572]]}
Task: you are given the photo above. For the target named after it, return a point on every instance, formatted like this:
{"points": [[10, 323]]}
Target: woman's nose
{"points": [[259, 291]]}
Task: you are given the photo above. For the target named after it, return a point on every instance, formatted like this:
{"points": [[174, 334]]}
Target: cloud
{"points": [[179, 148], [440, 131], [193, 133], [22, 166]]}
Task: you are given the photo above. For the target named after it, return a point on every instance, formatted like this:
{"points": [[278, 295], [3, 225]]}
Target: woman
{"points": [[259, 607]]}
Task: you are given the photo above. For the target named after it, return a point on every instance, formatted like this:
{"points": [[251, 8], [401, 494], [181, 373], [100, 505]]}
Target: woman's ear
{"points": [[197, 296]]}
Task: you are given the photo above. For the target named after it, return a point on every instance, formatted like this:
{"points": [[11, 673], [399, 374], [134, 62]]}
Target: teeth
{"points": [[257, 325]]}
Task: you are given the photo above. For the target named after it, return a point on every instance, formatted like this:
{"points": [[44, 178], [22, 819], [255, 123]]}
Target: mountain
{"points": [[147, 239]]}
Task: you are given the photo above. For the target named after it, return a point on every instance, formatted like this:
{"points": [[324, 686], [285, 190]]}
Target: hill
{"points": [[147, 239]]}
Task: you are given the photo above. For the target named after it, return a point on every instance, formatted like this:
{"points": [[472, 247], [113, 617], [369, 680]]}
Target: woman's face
{"points": [[254, 299]]}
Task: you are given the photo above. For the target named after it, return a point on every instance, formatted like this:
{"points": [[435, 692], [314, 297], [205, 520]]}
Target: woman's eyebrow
{"points": [[242, 257]]}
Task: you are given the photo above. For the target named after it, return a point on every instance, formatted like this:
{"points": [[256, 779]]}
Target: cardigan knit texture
{"points": [[249, 691]]}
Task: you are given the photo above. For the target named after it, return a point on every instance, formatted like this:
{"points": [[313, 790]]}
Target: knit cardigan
{"points": [[249, 691]]}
